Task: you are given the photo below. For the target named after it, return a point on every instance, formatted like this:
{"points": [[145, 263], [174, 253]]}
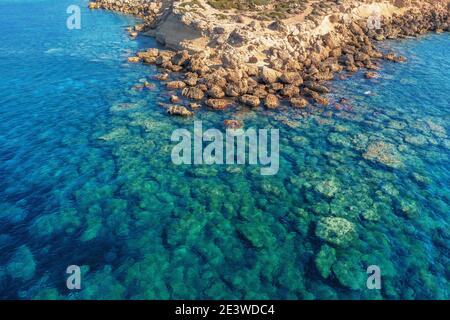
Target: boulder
{"points": [[250, 100], [298, 102], [179, 111], [291, 78], [268, 75], [193, 93], [216, 92], [290, 90], [218, 104], [191, 79], [371, 75], [175, 99], [271, 101], [181, 58], [134, 59], [175, 85]]}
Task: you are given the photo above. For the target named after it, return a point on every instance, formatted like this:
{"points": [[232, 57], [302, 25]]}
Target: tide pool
{"points": [[86, 177]]}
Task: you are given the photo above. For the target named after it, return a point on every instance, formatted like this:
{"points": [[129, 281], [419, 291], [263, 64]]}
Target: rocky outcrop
{"points": [[287, 60]]}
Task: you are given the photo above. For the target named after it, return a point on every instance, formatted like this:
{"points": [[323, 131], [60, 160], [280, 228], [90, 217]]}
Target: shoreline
{"points": [[243, 57]]}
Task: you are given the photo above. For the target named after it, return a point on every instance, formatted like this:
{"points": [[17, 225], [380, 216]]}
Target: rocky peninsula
{"points": [[265, 52]]}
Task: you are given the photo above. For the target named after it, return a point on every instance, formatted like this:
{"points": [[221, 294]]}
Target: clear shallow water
{"points": [[86, 178]]}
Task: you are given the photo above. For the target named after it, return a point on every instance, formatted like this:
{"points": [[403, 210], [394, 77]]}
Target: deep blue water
{"points": [[86, 177]]}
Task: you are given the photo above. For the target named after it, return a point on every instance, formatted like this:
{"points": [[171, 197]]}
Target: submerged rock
{"points": [[328, 188], [350, 274], [384, 153], [176, 85], [218, 104], [179, 111], [233, 124], [338, 231], [22, 265], [325, 259], [299, 103], [371, 75]]}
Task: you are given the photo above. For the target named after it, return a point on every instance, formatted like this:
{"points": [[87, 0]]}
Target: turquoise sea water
{"points": [[86, 178]]}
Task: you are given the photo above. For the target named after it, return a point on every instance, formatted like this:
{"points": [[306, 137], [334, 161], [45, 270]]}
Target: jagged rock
{"points": [[162, 77], [347, 59], [237, 38], [299, 103], [268, 75], [180, 58], [194, 105], [278, 25], [191, 79], [193, 93], [316, 87], [291, 78], [216, 92], [179, 111], [176, 85], [250, 100], [134, 59], [271, 101], [233, 124], [316, 97], [218, 104]]}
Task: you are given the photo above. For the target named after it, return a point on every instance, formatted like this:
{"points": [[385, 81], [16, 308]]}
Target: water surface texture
{"points": [[86, 178]]}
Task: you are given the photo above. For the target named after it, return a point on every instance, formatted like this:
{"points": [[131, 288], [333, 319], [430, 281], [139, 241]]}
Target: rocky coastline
{"points": [[216, 57]]}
